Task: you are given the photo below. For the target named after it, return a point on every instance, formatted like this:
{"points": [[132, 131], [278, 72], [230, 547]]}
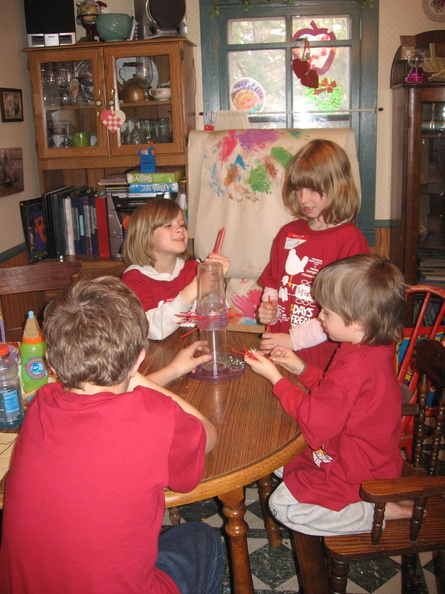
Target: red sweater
{"points": [[352, 422], [85, 495]]}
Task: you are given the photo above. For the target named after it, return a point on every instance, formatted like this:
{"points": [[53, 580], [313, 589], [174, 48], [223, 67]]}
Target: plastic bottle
{"points": [[32, 355], [11, 405]]}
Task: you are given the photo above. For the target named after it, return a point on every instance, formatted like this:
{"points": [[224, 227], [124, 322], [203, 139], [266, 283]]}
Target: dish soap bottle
{"points": [[32, 355], [11, 405]]}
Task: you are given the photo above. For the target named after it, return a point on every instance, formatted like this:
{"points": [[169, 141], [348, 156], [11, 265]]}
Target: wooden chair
{"points": [[45, 276], [425, 313], [399, 537]]}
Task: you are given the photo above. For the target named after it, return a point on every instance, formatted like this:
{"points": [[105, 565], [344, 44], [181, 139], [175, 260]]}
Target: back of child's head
{"points": [[367, 289], [322, 166], [94, 332], [138, 245]]}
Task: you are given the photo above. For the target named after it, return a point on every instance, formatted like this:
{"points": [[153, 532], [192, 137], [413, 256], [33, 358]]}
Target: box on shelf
{"points": [[147, 158]]}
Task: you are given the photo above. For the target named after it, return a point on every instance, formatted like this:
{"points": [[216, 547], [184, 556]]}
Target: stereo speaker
{"points": [[50, 22], [160, 18]]}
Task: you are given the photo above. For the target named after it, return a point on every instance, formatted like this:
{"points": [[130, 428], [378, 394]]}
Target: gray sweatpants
{"points": [[355, 518]]}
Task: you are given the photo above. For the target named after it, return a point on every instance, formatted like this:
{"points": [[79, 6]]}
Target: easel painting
{"points": [[11, 171]]}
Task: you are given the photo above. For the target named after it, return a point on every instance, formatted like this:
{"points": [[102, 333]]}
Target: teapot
{"points": [[133, 90]]}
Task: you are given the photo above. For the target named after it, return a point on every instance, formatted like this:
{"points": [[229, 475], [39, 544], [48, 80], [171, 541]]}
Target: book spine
{"points": [[68, 227], [136, 188], [87, 223], [49, 226], [76, 231], [93, 222], [81, 216], [103, 234], [58, 225]]}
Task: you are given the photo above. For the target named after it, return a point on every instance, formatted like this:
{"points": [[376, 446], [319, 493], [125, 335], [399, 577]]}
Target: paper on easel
{"points": [[7, 441]]}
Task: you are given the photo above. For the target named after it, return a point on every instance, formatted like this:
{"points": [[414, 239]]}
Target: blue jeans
{"points": [[192, 555]]}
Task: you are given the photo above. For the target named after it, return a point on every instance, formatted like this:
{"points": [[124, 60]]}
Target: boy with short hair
{"points": [[84, 497], [351, 417]]}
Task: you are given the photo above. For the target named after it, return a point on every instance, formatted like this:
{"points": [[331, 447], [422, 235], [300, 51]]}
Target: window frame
{"points": [[364, 52]]}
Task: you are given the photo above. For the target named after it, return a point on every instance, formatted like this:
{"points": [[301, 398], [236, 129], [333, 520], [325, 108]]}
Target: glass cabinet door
{"points": [[431, 231], [432, 167], [141, 86], [70, 92]]}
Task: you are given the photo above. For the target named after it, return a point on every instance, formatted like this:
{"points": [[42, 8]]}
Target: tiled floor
{"points": [[273, 568]]}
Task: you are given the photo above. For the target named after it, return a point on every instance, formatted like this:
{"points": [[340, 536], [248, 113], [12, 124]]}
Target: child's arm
{"points": [[267, 311], [279, 356], [184, 362], [140, 380], [288, 359], [271, 340], [307, 335], [164, 320], [264, 367]]}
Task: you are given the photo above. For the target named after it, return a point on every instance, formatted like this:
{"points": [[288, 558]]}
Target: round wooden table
{"points": [[255, 437]]}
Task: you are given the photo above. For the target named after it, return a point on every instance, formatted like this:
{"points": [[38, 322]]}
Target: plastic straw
{"points": [[219, 241]]}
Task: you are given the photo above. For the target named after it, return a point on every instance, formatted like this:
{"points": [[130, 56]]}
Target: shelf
{"points": [[79, 106], [144, 103]]}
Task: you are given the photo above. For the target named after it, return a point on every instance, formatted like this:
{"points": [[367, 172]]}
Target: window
{"points": [[257, 62]]}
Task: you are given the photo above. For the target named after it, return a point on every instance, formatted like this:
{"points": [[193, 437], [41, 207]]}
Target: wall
{"points": [[397, 17], [14, 75]]}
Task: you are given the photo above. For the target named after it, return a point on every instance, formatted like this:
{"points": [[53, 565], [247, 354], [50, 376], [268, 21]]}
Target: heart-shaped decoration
{"points": [[310, 79], [113, 120], [300, 67]]}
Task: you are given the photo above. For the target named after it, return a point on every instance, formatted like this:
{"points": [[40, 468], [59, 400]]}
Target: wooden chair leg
{"points": [[174, 515], [265, 488], [439, 566], [410, 579], [338, 576], [312, 568]]}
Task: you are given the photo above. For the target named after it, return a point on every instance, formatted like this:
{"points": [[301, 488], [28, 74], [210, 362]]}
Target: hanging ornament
{"points": [[113, 120], [301, 66]]}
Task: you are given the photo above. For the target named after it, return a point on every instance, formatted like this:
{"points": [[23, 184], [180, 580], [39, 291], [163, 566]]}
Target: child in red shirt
{"points": [[84, 498], [320, 192], [159, 272], [351, 417]]}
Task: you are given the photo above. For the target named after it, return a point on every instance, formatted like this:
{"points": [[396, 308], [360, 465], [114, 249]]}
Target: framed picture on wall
{"points": [[11, 105], [34, 229]]}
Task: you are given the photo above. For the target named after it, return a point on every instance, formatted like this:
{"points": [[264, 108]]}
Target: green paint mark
{"points": [[281, 155], [259, 179]]}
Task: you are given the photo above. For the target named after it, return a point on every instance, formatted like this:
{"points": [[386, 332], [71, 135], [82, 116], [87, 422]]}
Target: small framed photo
{"points": [[11, 105]]}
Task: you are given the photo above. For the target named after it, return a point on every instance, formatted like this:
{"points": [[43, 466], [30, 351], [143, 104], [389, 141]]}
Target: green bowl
{"points": [[114, 26]]}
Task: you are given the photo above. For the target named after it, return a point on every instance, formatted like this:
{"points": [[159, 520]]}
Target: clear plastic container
{"points": [[11, 405], [211, 306]]}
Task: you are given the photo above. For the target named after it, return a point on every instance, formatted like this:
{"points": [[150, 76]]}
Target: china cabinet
{"points": [[83, 93], [418, 175]]}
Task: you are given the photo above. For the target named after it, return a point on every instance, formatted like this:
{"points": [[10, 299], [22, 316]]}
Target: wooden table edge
{"points": [[225, 483]]}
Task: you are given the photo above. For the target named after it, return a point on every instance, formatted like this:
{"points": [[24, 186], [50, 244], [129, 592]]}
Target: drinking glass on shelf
{"points": [[163, 130]]}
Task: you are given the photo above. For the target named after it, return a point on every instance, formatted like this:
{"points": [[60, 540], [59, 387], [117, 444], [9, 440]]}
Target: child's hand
{"points": [[222, 259], [287, 359], [263, 366], [270, 340], [267, 312], [185, 361]]}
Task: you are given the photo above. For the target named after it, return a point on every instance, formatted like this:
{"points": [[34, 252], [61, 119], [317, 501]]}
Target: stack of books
{"points": [[69, 221], [432, 269], [163, 180]]}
